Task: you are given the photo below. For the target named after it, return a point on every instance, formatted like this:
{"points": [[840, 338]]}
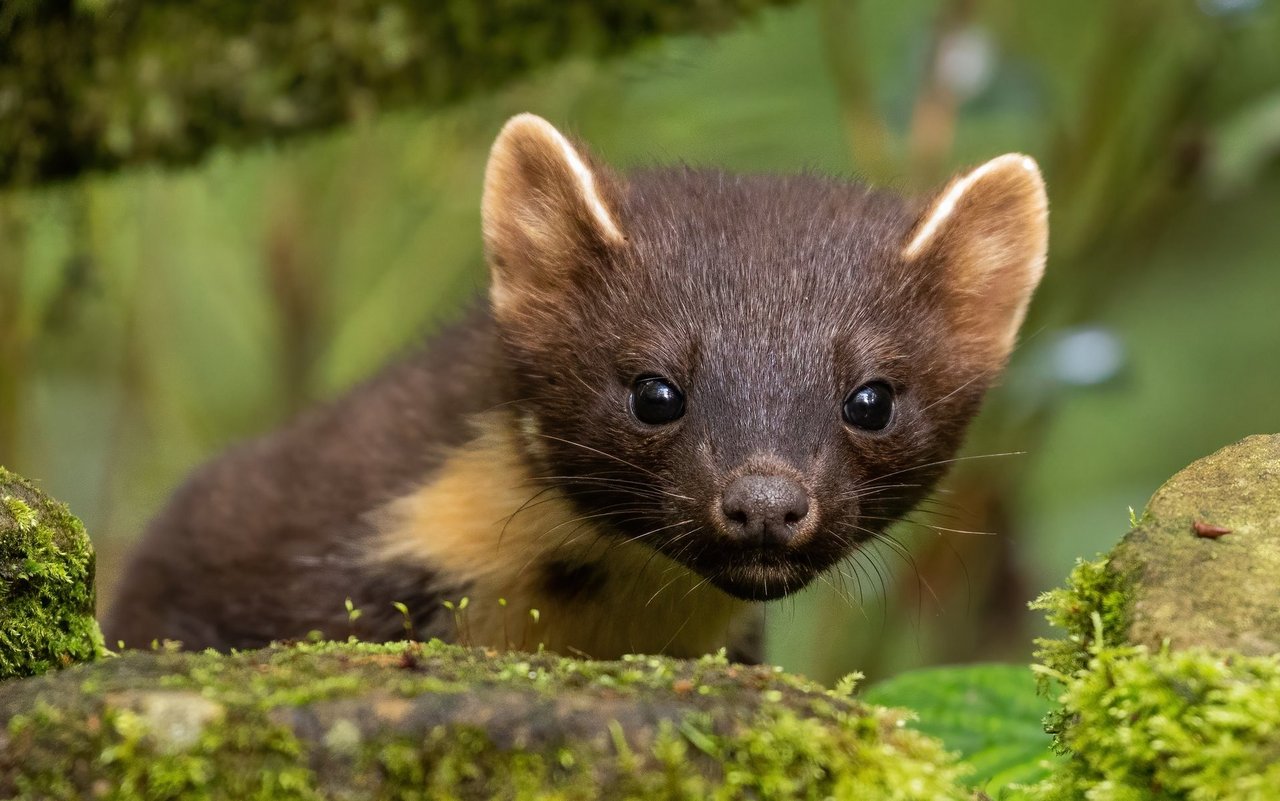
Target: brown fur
{"points": [[500, 544], [503, 462]]}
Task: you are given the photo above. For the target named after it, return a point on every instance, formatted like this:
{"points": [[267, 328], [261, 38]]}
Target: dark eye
{"points": [[869, 407], [655, 400]]}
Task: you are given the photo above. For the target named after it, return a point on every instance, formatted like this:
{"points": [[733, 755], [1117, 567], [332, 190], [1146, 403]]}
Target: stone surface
{"points": [[1168, 667], [1221, 591]]}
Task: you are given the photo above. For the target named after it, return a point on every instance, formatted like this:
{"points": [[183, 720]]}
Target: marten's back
{"points": [[265, 541]]}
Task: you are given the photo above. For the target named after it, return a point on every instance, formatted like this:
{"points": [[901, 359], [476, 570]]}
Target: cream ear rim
{"points": [[531, 125], [946, 205], [499, 296]]}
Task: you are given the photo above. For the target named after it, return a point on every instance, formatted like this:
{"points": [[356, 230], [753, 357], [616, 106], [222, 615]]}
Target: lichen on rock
{"points": [[1169, 666], [430, 720], [46, 583]]}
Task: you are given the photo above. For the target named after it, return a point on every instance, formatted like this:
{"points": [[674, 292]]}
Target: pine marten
{"points": [[687, 391]]}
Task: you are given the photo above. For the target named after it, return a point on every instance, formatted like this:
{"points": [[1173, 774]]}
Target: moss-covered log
{"points": [[1170, 666], [101, 84], [413, 720], [46, 583]]}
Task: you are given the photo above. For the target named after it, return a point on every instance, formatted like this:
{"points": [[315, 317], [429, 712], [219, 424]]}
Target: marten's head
{"points": [[751, 374]]}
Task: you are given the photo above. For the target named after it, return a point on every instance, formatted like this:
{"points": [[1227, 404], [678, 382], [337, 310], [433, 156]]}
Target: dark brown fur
{"points": [[266, 541], [767, 299]]}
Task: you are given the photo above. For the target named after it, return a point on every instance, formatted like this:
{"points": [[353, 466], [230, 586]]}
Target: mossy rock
{"points": [[1169, 670], [417, 721], [1191, 725], [1218, 591], [46, 583]]}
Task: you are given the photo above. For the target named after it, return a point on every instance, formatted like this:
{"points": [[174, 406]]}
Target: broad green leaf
{"points": [[991, 714]]}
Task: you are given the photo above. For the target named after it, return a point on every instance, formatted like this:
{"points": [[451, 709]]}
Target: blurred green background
{"points": [[149, 318]]}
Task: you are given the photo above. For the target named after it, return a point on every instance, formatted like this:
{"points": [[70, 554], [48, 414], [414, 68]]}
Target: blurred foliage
{"points": [[148, 319], [96, 84], [990, 714]]}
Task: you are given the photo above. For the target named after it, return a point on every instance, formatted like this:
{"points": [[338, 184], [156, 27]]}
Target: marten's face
{"points": [[752, 375]]}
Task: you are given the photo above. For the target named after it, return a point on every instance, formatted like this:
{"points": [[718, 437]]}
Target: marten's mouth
{"points": [[760, 573], [757, 571], [762, 577]]}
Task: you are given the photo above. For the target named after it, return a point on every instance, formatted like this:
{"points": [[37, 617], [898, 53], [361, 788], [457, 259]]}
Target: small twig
{"points": [[933, 119]]}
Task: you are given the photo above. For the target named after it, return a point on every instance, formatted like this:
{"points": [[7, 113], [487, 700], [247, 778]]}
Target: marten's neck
{"points": [[538, 572]]}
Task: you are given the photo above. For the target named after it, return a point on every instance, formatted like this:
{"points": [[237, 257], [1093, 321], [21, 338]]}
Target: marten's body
{"points": [[688, 391], [268, 541]]}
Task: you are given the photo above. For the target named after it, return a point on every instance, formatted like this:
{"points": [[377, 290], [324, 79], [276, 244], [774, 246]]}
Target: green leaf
{"points": [[991, 714]]}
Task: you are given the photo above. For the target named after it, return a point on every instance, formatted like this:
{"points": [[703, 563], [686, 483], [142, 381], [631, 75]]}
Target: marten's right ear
{"points": [[547, 210]]}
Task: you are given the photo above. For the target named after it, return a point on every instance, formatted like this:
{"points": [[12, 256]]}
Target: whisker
{"points": [[868, 490], [582, 521], [949, 512], [840, 591], [636, 486], [651, 531], [947, 461], [661, 589], [951, 393], [601, 453], [871, 567], [695, 588], [930, 525], [857, 583], [528, 504], [512, 516]]}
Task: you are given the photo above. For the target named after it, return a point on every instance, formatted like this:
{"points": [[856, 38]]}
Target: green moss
{"points": [[779, 754], [46, 583], [1197, 725], [1163, 584], [435, 721], [131, 753], [1093, 607], [1220, 593], [1168, 669]]}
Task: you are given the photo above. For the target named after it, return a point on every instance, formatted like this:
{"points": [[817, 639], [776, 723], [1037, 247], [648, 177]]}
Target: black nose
{"points": [[764, 509]]}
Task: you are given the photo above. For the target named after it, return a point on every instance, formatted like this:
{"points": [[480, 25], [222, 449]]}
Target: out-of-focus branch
{"points": [[933, 118], [100, 86], [1115, 175], [870, 142], [13, 336], [296, 288]]}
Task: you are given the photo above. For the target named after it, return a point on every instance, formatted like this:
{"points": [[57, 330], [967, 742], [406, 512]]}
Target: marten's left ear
{"points": [[987, 232], [548, 211]]}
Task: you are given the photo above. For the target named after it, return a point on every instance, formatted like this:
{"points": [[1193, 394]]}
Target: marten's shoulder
{"points": [[267, 540]]}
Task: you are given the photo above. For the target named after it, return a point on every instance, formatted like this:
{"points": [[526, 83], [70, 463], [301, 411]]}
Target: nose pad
{"points": [[764, 509]]}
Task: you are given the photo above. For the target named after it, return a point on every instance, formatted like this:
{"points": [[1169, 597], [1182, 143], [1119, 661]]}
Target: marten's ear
{"points": [[547, 210], [986, 233]]}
